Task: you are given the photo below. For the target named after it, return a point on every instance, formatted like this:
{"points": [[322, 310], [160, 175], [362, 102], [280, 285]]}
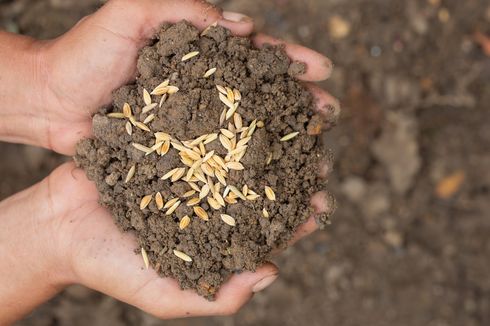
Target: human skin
{"points": [[55, 233]]}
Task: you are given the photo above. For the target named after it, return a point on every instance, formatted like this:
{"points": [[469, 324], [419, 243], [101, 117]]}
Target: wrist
{"points": [[23, 111]]}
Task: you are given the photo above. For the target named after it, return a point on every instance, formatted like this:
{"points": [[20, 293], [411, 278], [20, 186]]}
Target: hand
{"points": [[64, 235]]}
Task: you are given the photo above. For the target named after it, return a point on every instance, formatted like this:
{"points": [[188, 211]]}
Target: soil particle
{"points": [[269, 94]]}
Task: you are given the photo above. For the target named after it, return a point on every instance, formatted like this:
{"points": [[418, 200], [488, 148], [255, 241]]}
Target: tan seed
{"points": [[199, 139], [235, 166], [270, 193], [165, 148], [220, 178], [204, 191], [145, 201], [290, 136], [172, 90], [245, 190], [238, 150], [237, 119], [194, 186], [130, 174], [210, 138], [190, 55], [260, 124], [228, 219], [142, 126], [213, 203], [171, 202], [156, 148], [207, 169], [149, 119], [132, 120], [189, 193], [178, 174], [230, 200], [159, 200], [238, 95], [253, 197], [205, 31], [231, 111], [237, 192], [146, 97], [227, 133], [164, 97], [127, 110], [269, 159], [230, 95], [220, 161], [170, 174], [145, 258], [193, 201], [201, 213], [184, 222], [161, 136], [218, 196], [226, 191], [225, 141], [243, 141], [161, 89], [173, 208], [129, 128], [251, 128], [209, 72], [202, 149], [178, 146], [116, 115], [142, 148], [222, 117], [226, 102], [148, 108], [208, 156], [265, 213], [182, 256], [221, 89]]}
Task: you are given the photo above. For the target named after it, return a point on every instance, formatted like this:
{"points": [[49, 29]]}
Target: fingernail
{"points": [[263, 283], [236, 17]]}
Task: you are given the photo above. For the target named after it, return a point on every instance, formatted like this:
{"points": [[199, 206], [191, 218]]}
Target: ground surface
{"points": [[405, 248]]}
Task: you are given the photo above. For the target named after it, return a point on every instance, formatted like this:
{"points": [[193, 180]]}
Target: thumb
{"points": [[121, 16]]}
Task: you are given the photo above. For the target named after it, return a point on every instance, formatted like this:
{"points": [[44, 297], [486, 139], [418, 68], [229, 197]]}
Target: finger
{"points": [[138, 20], [325, 104], [318, 67]]}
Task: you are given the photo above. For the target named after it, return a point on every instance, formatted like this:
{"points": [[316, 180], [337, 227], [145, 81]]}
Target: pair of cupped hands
{"points": [[55, 233]]}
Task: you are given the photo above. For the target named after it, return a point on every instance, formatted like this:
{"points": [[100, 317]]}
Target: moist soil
{"points": [[270, 94]]}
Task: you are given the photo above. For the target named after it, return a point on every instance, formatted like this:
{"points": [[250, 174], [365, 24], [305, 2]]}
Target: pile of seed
{"points": [[180, 185]]}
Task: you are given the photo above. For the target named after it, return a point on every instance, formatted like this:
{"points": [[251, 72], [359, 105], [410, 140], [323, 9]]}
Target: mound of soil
{"points": [[208, 159]]}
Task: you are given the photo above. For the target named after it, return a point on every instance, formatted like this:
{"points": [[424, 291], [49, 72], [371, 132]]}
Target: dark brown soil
{"points": [[269, 94]]}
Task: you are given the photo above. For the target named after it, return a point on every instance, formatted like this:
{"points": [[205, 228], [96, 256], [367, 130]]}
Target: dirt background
{"points": [[415, 91]]}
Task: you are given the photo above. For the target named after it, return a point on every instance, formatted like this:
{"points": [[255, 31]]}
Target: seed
{"points": [[226, 191], [217, 188], [218, 196], [161, 89], [159, 200], [171, 202], [184, 222], [145, 257], [230, 95], [132, 120], [208, 156], [172, 89], [146, 97], [182, 256], [189, 193], [220, 161], [237, 192], [220, 177], [164, 97], [238, 150], [245, 190], [190, 55], [228, 219], [193, 201], [207, 169], [265, 213], [178, 174], [243, 141], [142, 148], [145, 201], [161, 136], [130, 174], [148, 108], [290, 136], [165, 148], [238, 95], [270, 193], [142, 126], [260, 124], [235, 166], [213, 203], [253, 197], [204, 191], [170, 174], [149, 119], [231, 111], [201, 213], [237, 119], [209, 72], [198, 140], [230, 200], [210, 138], [127, 110], [204, 32], [173, 208], [210, 183], [269, 159], [227, 133], [178, 146], [222, 117], [221, 89], [226, 101], [116, 115], [156, 148], [225, 142], [251, 128], [129, 128]]}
